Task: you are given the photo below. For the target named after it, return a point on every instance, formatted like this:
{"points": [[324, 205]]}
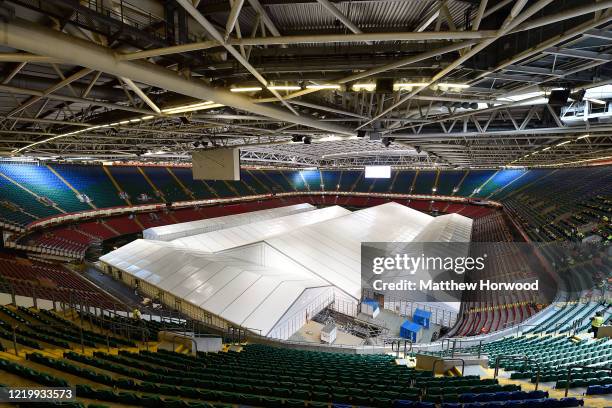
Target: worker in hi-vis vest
{"points": [[596, 322]]}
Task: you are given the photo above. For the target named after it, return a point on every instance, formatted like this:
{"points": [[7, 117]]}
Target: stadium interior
{"points": [[194, 196]]}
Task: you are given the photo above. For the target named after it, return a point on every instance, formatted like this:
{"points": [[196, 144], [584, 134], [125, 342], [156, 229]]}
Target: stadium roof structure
{"points": [[184, 229], [268, 280], [454, 83]]}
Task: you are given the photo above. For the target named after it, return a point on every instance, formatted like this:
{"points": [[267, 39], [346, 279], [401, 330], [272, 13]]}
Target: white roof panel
{"points": [[272, 309], [185, 229], [240, 235], [447, 228], [332, 249]]}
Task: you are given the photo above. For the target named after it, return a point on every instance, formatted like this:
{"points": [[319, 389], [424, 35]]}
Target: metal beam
{"points": [[210, 29], [338, 14], [24, 57], [578, 30], [80, 74], [565, 15], [582, 54], [533, 133], [264, 17], [513, 19], [141, 94], [33, 92], [233, 17], [176, 49], [429, 17], [42, 41]]}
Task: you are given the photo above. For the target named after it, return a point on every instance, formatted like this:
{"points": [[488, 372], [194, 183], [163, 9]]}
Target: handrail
{"points": [[518, 357], [569, 374], [461, 340], [399, 342], [433, 367], [518, 328]]}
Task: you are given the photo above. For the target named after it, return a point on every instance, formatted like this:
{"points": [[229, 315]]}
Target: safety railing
{"points": [[583, 367], [460, 341], [399, 343], [518, 328], [517, 358]]}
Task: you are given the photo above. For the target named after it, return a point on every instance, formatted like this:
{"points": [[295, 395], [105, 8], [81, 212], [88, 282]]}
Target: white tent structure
{"points": [[269, 278], [447, 228], [223, 288], [185, 229], [245, 234]]}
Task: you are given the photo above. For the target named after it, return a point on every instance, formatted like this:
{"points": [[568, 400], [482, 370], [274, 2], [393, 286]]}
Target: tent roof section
{"points": [[447, 228], [245, 234], [236, 290], [184, 229], [332, 249]]}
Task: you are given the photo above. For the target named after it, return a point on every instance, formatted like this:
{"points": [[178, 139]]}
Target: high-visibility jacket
{"points": [[597, 321]]}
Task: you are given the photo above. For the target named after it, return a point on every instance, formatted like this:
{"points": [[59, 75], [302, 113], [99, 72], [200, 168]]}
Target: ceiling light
{"points": [[364, 87], [246, 89], [449, 85], [284, 88], [191, 107], [327, 86], [583, 136], [546, 148], [408, 85], [562, 143]]}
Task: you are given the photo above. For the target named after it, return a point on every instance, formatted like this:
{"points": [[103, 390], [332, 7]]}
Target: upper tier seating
{"points": [[30, 193], [166, 182], [558, 204], [43, 182], [92, 181], [521, 190], [472, 182], [132, 182]]}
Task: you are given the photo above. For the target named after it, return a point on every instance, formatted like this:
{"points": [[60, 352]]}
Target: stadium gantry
{"points": [[306, 203]]}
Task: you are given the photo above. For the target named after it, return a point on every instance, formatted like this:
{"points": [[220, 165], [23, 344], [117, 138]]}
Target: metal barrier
{"points": [[399, 343], [517, 357], [433, 368], [460, 340], [569, 374]]}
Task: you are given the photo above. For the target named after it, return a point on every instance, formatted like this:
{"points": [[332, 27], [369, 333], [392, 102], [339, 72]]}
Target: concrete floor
{"points": [[311, 333]]}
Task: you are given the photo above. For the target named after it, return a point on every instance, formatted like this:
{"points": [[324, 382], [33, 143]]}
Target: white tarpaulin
{"points": [[332, 249], [268, 278], [185, 229], [240, 235]]}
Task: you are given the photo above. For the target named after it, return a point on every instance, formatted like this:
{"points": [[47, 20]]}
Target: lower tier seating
{"points": [[49, 281]]}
